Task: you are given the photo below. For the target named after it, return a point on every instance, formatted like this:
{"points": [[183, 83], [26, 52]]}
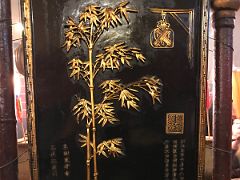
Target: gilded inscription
{"points": [[175, 123]]}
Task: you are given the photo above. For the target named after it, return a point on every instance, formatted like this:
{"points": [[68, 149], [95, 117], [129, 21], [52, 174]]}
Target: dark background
{"points": [[143, 132]]}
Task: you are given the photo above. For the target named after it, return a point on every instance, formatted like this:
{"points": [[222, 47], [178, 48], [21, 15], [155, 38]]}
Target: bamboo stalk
{"points": [[91, 87], [88, 153]]}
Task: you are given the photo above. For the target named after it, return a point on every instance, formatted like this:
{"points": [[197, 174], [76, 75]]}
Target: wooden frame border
{"points": [[31, 118], [203, 86]]}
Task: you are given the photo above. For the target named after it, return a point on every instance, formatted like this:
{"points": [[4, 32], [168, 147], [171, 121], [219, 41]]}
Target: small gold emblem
{"points": [[162, 36], [175, 123]]}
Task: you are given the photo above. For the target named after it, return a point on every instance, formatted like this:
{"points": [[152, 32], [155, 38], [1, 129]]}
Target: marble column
{"points": [[8, 142], [224, 23]]}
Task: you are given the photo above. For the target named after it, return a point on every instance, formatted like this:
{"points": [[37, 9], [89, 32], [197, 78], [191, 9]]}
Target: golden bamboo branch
{"points": [[92, 23]]}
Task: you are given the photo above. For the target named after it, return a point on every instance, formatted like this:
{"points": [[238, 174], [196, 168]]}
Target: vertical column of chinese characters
{"points": [[166, 159], [181, 159], [174, 159]]}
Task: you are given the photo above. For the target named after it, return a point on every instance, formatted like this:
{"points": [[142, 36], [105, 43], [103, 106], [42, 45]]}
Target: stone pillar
{"points": [[224, 24], [8, 143]]}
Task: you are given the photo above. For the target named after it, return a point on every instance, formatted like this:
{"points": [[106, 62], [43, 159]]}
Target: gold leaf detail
{"points": [[111, 86], [111, 147], [122, 10], [84, 16], [152, 85], [118, 54], [92, 23], [109, 18], [77, 68], [75, 65], [83, 140], [93, 9], [128, 99], [82, 29], [105, 112], [74, 34], [82, 110]]}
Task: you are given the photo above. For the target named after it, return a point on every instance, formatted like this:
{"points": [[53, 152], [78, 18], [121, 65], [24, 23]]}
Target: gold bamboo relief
{"points": [[89, 27]]}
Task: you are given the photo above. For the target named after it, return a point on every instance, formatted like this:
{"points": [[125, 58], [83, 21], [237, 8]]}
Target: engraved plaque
{"points": [[175, 123]]}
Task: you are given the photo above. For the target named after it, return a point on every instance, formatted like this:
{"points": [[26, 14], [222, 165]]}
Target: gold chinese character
{"points": [[175, 123]]}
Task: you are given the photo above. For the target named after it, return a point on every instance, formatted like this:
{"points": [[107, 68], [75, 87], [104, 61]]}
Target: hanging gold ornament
{"points": [[162, 36]]}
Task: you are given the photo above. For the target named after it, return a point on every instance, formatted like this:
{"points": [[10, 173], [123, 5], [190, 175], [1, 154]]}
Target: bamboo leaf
{"points": [[140, 57], [128, 99], [110, 86], [73, 34], [83, 29], [84, 16], [122, 10], [94, 20], [83, 141], [93, 9], [70, 22], [74, 67], [105, 112], [111, 147], [82, 110], [108, 18], [152, 85], [78, 68], [118, 54]]}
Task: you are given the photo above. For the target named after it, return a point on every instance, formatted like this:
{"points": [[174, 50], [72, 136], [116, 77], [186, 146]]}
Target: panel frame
{"points": [[30, 91]]}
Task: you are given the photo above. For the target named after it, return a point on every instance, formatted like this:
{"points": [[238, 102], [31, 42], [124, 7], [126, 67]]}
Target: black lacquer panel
{"points": [[151, 150]]}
